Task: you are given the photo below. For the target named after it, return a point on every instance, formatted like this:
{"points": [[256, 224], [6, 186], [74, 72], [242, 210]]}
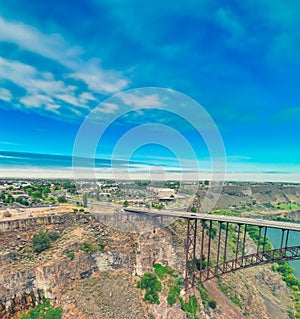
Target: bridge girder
{"points": [[204, 263]]}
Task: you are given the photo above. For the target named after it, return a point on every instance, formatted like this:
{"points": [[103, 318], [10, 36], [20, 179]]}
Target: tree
{"points": [[212, 304], [37, 194], [41, 242], [126, 203], [97, 194], [62, 199], [85, 199]]}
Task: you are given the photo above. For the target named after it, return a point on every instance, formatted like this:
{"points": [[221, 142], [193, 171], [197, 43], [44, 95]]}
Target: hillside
{"points": [[92, 271]]}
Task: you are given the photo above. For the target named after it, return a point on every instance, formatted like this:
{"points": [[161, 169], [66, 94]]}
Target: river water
{"points": [[274, 236]]}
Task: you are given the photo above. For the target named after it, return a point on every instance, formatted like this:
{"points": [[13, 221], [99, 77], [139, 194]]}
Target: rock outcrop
{"points": [[100, 281]]}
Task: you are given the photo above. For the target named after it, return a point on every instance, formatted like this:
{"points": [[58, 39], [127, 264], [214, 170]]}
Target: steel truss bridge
{"points": [[217, 245]]}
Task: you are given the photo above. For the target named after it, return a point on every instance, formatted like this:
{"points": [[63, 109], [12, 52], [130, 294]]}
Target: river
{"points": [[274, 236]]}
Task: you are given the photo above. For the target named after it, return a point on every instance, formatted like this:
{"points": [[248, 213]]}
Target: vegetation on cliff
{"points": [[292, 282], [164, 277], [42, 240], [44, 311], [152, 285]]}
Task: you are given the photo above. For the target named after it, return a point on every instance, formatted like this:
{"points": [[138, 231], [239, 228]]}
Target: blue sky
{"points": [[238, 59]]}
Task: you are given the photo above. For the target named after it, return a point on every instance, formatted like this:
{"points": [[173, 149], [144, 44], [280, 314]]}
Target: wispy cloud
{"points": [[43, 92], [108, 108], [8, 143], [282, 18], [97, 79], [288, 114], [5, 95], [142, 101], [43, 89], [52, 46], [230, 23]]}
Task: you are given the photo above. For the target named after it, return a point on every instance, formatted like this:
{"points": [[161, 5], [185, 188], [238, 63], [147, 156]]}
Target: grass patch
{"points": [[190, 307], [205, 297], [288, 206], [161, 271], [89, 248], [230, 293], [44, 311]]}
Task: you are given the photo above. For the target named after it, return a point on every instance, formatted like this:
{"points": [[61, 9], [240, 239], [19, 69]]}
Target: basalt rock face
{"points": [[159, 248], [25, 275], [17, 304], [100, 281], [247, 193]]}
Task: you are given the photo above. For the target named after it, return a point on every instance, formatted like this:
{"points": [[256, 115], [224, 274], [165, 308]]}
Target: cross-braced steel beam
{"points": [[267, 257], [223, 249], [190, 253]]}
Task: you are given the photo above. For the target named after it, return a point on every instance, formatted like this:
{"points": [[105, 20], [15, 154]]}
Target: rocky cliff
{"points": [[91, 271]]}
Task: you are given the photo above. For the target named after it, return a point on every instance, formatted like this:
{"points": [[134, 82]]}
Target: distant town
{"points": [[40, 196]]}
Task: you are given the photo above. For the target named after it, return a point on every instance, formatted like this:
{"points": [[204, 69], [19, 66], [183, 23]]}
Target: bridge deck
{"points": [[220, 218]]}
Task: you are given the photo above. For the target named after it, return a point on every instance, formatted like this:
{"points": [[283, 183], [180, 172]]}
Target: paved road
{"points": [[221, 218]]}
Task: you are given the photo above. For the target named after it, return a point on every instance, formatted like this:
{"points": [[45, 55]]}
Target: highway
{"points": [[219, 218]]}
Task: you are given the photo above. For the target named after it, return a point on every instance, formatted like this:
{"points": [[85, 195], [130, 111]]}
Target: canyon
{"points": [[101, 282]]}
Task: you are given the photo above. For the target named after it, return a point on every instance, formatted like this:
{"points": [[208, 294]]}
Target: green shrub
{"points": [[102, 246], [44, 311], [41, 242], [53, 235], [194, 209], [204, 294], [287, 274], [190, 307], [125, 203], [71, 255], [88, 248], [173, 295], [197, 263], [212, 304], [62, 199], [161, 271], [152, 285], [213, 232]]}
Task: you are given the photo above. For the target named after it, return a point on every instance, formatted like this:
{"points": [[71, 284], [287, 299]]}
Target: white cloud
{"points": [[36, 100], [145, 101], [99, 80], [86, 96], [40, 101], [52, 107], [229, 21], [71, 99], [5, 95], [54, 47], [108, 108], [43, 91]]}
